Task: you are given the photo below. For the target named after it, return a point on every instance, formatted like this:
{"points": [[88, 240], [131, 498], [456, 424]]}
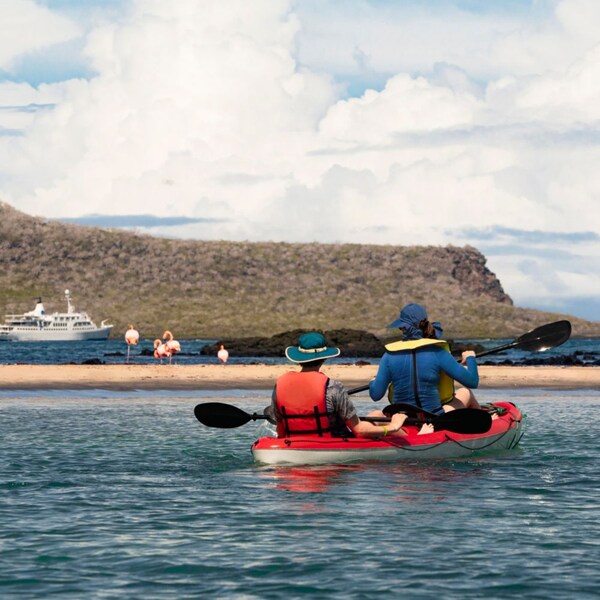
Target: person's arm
{"points": [[467, 375], [366, 429], [271, 410], [378, 387], [345, 409]]}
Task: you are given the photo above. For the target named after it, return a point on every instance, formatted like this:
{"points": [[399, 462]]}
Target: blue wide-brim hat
{"points": [[311, 346], [408, 320]]}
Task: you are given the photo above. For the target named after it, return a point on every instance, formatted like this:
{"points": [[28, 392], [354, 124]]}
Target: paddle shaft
{"points": [[216, 414], [514, 344], [256, 417], [225, 416]]}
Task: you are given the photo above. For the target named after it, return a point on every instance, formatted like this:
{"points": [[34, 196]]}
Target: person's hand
{"points": [[397, 422], [466, 354], [426, 428]]}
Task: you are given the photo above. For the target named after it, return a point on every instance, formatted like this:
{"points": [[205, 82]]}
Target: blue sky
{"points": [[393, 122]]}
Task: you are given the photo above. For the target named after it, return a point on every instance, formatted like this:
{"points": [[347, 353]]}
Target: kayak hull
{"points": [[504, 434]]}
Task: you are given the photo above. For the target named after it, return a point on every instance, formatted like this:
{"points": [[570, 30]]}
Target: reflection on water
{"points": [[407, 480], [306, 479]]}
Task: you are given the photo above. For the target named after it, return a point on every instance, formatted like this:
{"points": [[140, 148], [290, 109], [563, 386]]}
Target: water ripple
{"points": [[114, 497]]}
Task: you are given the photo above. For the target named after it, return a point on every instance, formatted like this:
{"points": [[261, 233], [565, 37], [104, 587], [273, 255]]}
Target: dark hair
{"points": [[428, 330], [313, 364]]}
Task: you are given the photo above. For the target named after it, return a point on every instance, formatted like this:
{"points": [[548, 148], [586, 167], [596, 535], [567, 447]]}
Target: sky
{"points": [[365, 121]]}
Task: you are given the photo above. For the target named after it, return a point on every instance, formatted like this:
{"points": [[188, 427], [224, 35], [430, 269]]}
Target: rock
{"points": [[567, 360], [351, 342], [93, 361]]}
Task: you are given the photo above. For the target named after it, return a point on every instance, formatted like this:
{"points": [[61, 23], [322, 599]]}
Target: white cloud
{"points": [[413, 37], [26, 26], [205, 110], [203, 93], [398, 38], [404, 105]]}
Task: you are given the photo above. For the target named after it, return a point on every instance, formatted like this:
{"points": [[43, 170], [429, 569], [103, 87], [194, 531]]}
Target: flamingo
{"points": [[161, 351], [173, 345], [222, 355], [132, 337]]}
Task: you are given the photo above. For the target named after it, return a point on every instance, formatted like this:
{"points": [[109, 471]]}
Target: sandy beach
{"points": [[216, 377]]}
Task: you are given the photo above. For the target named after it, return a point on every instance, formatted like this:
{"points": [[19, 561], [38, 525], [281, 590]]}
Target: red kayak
{"points": [[504, 434]]}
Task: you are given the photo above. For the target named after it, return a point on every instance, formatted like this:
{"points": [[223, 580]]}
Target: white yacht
{"points": [[37, 326]]}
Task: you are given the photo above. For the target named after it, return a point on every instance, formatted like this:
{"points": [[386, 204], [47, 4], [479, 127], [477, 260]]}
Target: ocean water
{"points": [[114, 351], [126, 495]]}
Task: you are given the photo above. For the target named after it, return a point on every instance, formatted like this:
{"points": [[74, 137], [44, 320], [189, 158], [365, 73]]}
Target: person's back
{"points": [[421, 369], [309, 403], [415, 375]]}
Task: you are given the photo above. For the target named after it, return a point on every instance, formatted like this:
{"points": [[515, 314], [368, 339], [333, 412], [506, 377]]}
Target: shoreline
{"points": [[261, 377]]}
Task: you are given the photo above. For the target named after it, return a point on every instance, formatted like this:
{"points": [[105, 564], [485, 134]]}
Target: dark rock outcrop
{"points": [[471, 272], [567, 360], [351, 342]]}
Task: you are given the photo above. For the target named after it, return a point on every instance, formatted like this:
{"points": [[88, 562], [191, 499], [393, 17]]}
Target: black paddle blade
{"points": [[464, 420], [223, 416], [545, 337]]}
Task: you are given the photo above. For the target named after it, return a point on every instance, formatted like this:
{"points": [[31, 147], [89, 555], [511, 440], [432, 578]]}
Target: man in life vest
{"points": [[307, 402], [421, 369]]}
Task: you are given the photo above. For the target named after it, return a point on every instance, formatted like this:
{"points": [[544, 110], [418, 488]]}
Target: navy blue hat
{"points": [[311, 346], [408, 320]]}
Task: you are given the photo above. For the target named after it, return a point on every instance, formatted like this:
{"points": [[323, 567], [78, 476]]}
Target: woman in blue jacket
{"points": [[421, 369]]}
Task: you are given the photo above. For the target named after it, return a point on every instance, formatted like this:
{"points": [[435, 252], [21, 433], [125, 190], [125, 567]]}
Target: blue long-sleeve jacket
{"points": [[397, 368]]}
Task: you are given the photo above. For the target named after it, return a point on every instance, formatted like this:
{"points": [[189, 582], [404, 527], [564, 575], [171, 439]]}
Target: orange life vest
{"points": [[301, 403]]}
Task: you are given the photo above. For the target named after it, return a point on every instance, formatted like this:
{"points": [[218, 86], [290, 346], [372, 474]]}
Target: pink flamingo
{"points": [[161, 351], [173, 345], [132, 337]]}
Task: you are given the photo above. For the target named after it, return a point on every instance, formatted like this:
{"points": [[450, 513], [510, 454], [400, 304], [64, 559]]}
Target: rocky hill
{"points": [[232, 289]]}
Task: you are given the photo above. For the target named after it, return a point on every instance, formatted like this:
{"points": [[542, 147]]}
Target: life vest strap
{"points": [[415, 378], [317, 414]]}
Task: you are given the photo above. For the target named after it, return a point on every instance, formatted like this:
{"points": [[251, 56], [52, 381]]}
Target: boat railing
{"points": [[22, 317]]}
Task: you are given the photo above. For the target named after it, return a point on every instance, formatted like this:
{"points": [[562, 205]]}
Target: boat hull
{"points": [[505, 433], [101, 333], [37, 326]]}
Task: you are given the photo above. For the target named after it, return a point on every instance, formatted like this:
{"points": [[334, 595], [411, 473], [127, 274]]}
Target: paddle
{"points": [[223, 416], [537, 340], [226, 416], [541, 338]]}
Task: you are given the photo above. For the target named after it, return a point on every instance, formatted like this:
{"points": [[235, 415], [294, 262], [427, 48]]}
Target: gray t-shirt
{"points": [[336, 399]]}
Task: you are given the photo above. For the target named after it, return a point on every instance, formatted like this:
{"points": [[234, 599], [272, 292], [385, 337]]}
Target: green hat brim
{"points": [[298, 356]]}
